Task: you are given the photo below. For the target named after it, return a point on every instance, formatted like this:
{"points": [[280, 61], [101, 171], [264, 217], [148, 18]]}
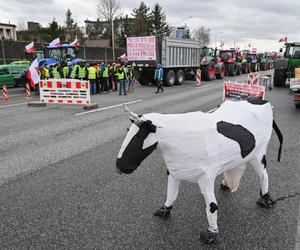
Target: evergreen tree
{"points": [[142, 20], [71, 27], [51, 32], [158, 21], [126, 24]]}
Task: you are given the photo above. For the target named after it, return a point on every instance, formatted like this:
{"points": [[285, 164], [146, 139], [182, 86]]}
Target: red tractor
{"points": [[231, 59], [211, 65]]}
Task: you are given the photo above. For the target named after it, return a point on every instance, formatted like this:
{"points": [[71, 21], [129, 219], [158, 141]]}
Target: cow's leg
{"points": [[172, 192], [207, 189], [265, 199]]}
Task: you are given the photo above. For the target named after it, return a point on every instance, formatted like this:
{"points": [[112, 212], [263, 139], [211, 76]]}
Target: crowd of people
{"points": [[103, 77]]}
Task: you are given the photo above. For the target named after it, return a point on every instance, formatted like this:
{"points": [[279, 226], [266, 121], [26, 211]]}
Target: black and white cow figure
{"points": [[198, 146]]}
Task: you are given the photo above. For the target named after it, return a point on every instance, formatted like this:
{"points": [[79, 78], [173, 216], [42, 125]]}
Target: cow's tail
{"points": [[279, 135]]}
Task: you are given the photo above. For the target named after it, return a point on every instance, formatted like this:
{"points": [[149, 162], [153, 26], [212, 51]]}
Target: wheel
{"points": [[208, 71], [238, 70], [232, 69], [179, 77], [279, 78], [170, 78], [221, 76]]}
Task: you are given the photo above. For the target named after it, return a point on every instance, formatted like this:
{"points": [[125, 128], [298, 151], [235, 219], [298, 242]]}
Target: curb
{"points": [[297, 246], [91, 106], [36, 104]]}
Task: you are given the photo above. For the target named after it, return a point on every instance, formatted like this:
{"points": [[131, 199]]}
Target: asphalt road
{"points": [[59, 188]]}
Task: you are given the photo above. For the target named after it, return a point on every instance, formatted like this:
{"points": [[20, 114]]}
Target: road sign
{"points": [[65, 91], [240, 91]]}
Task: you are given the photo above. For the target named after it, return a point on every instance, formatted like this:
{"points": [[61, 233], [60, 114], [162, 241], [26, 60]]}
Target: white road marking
{"points": [[109, 107], [13, 105]]}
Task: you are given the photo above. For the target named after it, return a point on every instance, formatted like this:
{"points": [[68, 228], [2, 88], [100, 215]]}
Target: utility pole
{"points": [[3, 49], [112, 30]]}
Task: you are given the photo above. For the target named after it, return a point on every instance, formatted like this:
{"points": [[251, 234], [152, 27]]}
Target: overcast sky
{"points": [[258, 22]]}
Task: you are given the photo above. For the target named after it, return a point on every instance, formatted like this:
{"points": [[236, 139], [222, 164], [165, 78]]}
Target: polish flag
{"points": [[33, 73], [55, 42], [75, 43], [283, 40], [30, 47]]}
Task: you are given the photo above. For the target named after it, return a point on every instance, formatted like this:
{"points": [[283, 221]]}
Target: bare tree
{"points": [[202, 34], [21, 24], [108, 9]]}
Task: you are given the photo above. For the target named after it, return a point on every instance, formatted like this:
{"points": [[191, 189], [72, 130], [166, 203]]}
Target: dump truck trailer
{"points": [[179, 58]]}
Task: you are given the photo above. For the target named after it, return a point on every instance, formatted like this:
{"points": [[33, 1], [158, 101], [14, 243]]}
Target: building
{"points": [[179, 32], [31, 34], [8, 31]]}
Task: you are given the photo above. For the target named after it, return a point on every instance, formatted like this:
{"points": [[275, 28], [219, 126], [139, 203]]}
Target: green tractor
{"points": [[285, 67], [211, 65]]}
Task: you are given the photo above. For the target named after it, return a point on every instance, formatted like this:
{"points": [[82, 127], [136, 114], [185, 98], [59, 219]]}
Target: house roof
{"points": [[8, 24]]}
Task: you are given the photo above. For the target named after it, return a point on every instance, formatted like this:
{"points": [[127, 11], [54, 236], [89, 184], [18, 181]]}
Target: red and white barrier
{"points": [[65, 91], [239, 91], [4, 94], [27, 87], [198, 78], [253, 78]]}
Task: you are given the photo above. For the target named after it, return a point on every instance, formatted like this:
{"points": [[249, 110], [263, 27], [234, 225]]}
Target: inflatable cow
{"points": [[198, 146]]}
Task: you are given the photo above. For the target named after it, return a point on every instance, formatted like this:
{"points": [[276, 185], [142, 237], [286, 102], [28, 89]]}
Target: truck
{"points": [[179, 58]]}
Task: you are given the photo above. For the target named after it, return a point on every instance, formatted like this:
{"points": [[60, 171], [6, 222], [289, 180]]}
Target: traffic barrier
{"points": [[28, 94], [65, 91], [253, 78], [198, 78], [4, 94]]}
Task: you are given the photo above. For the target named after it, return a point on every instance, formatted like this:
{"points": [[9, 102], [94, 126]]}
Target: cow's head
{"points": [[139, 142]]}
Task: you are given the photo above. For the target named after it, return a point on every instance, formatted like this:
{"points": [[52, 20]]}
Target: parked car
{"points": [[13, 74]]}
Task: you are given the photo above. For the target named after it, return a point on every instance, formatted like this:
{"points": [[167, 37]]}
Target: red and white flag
{"points": [[33, 73], [30, 47], [75, 43], [283, 40], [55, 42]]}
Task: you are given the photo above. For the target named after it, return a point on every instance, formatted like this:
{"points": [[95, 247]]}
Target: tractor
{"points": [[211, 65], [285, 67], [252, 59], [62, 53], [231, 61], [245, 62]]}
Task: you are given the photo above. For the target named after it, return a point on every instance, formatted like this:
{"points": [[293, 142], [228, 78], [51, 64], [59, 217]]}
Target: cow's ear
{"points": [[151, 127], [132, 121]]}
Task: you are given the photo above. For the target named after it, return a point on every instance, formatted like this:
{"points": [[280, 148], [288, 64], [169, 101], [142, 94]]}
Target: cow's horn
{"points": [[133, 116]]}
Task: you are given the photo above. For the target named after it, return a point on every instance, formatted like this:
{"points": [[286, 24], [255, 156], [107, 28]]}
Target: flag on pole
{"points": [[222, 43], [30, 47], [283, 40], [75, 43], [55, 42], [33, 73]]}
